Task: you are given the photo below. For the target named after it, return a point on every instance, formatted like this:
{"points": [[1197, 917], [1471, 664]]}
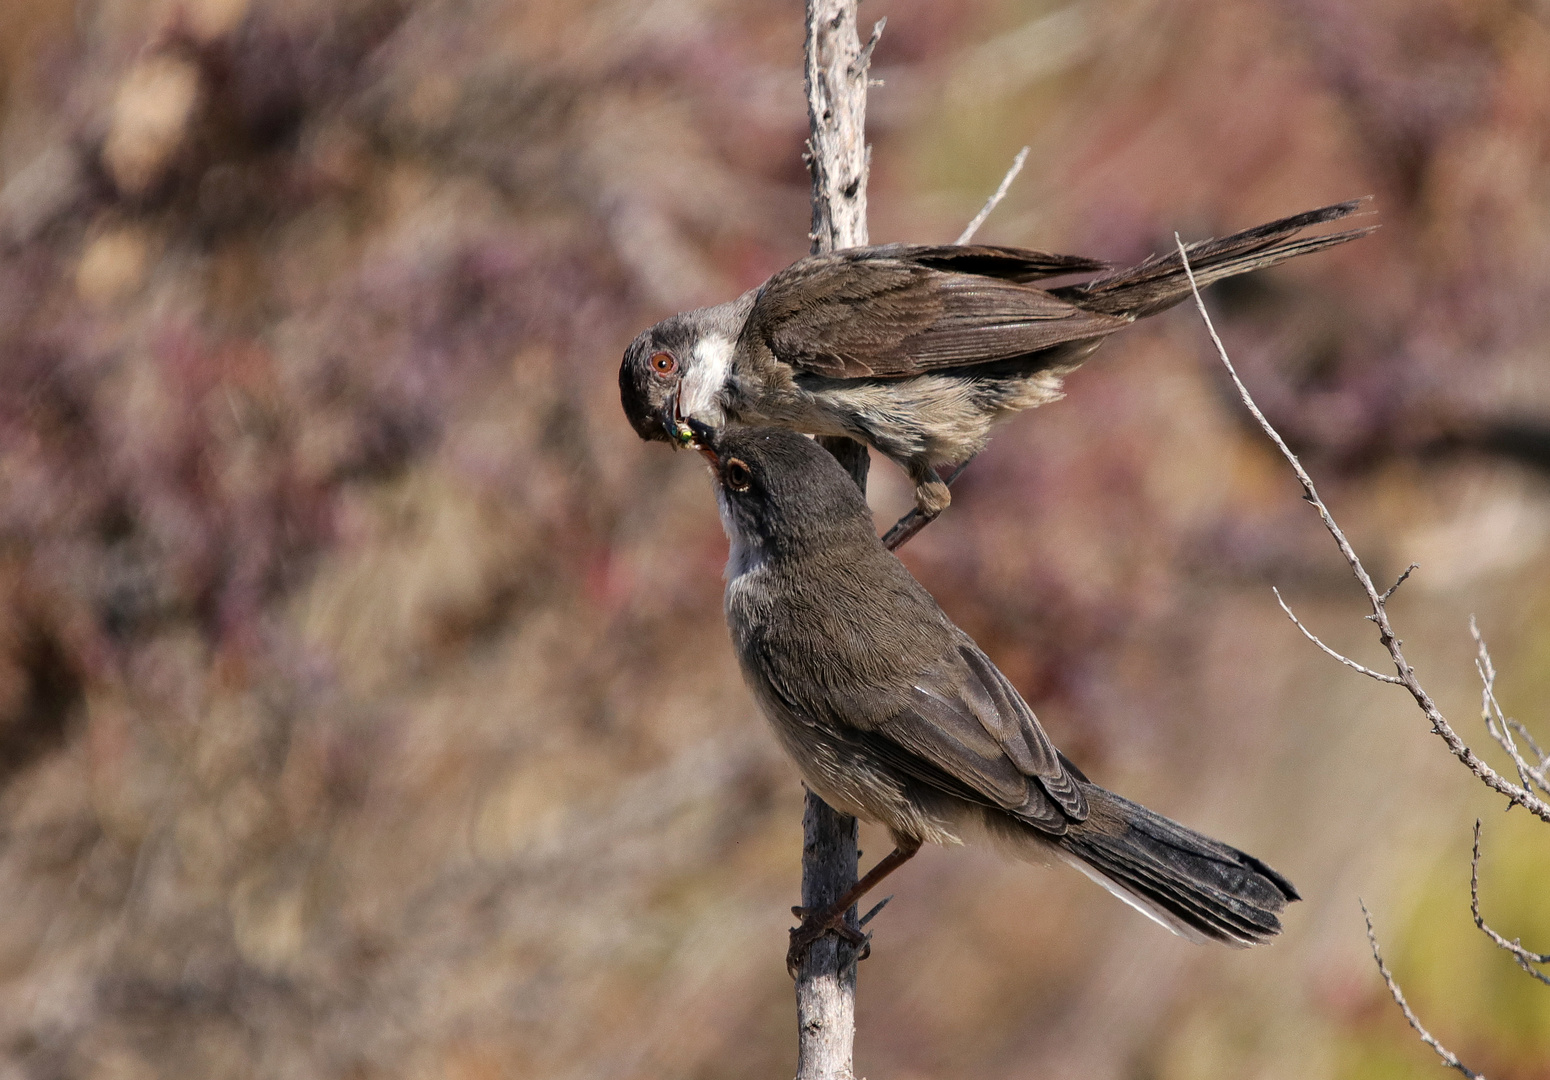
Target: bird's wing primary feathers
{"points": [[963, 729], [954, 722], [966, 719], [902, 310]]}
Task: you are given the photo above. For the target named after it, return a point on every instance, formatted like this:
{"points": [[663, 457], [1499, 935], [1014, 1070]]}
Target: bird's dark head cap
{"points": [[651, 374], [782, 487]]}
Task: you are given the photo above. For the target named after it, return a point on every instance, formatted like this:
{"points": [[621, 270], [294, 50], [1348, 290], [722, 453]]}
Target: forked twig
{"points": [[1346, 660], [1524, 957], [1497, 724], [1516, 795]]}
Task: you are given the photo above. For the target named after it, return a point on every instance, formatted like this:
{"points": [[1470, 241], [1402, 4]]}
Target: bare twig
{"points": [[1523, 733], [1346, 660], [876, 910], [1524, 957], [863, 61], [1516, 795], [1540, 772], [1449, 1058], [995, 200], [1497, 724], [1412, 568]]}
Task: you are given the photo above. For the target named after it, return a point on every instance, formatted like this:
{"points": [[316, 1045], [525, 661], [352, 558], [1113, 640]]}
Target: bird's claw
{"points": [[814, 926]]}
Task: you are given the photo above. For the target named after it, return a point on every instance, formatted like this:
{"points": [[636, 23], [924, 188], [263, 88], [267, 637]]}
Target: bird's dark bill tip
{"points": [[691, 432]]}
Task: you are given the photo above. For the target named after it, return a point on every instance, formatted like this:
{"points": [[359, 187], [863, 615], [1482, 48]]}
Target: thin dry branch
{"points": [[1394, 588], [1449, 1058], [1346, 660], [1523, 956], [1497, 724], [995, 200], [1534, 747], [1516, 795]]}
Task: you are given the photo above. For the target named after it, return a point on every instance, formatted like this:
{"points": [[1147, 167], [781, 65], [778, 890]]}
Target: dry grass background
{"points": [[365, 704]]}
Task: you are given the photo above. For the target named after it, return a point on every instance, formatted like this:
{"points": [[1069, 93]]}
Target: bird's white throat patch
{"points": [[702, 383], [744, 553]]}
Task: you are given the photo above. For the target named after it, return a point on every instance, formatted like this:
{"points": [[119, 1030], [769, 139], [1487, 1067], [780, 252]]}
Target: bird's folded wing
{"points": [[966, 720], [958, 725], [900, 310]]}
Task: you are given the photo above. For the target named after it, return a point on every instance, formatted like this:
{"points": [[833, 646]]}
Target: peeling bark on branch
{"points": [[837, 154]]}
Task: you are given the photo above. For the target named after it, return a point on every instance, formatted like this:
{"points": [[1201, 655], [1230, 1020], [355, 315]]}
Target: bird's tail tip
{"points": [[1199, 888], [1159, 282]]}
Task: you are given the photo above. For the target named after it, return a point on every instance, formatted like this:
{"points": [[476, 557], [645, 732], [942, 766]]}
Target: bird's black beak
{"points": [[702, 437], [673, 426]]}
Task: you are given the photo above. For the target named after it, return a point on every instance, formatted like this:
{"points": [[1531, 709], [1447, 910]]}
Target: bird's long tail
{"points": [[1195, 886], [1160, 282]]}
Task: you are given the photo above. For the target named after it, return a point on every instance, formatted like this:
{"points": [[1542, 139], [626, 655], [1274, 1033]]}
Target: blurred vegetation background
{"points": [[366, 708]]}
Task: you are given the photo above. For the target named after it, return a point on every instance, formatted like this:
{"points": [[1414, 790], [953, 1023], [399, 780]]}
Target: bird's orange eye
{"points": [[663, 363], [737, 474]]}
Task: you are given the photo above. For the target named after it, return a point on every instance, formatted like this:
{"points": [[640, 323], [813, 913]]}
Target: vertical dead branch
{"points": [[837, 154], [837, 157]]}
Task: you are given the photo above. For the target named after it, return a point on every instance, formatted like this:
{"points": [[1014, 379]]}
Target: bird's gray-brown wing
{"points": [[965, 719], [901, 310], [962, 729], [875, 663]]}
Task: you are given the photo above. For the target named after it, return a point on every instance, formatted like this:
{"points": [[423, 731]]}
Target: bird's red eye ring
{"points": [[737, 475], [663, 363]]}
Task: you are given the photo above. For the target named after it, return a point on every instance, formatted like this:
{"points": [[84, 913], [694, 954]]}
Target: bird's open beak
{"points": [[678, 433]]}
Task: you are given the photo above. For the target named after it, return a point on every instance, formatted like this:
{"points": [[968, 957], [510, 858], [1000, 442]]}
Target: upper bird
{"points": [[917, 350]]}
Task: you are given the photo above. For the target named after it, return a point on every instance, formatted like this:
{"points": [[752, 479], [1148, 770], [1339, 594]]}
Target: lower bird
{"points": [[894, 714], [918, 351]]}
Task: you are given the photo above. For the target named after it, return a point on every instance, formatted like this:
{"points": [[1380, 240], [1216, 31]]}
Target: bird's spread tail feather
{"points": [[1195, 886], [1159, 282]]}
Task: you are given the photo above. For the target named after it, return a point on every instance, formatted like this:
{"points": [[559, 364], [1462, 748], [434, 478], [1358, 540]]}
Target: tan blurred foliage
{"points": [[365, 705]]}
